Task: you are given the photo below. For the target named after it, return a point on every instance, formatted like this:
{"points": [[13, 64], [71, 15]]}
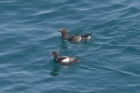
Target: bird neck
{"points": [[65, 35], [56, 57]]}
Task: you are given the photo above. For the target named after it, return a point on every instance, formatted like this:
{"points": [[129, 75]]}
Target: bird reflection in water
{"points": [[55, 70], [63, 45]]}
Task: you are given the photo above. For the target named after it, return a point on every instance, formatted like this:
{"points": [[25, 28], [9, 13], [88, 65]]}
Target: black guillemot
{"points": [[74, 38], [63, 60]]}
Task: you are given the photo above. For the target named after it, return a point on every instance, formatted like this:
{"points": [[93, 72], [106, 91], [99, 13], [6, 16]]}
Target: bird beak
{"points": [[51, 53], [59, 30]]}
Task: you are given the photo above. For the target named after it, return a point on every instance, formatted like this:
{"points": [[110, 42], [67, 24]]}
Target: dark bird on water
{"points": [[63, 60], [74, 38]]}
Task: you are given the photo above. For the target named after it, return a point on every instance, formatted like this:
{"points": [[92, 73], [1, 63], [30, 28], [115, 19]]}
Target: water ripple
{"points": [[109, 62]]}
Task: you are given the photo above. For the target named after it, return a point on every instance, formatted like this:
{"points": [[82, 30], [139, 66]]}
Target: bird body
{"points": [[63, 59], [74, 38]]}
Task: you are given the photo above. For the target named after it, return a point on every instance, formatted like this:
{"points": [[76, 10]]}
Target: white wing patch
{"points": [[77, 38], [88, 37], [66, 60]]}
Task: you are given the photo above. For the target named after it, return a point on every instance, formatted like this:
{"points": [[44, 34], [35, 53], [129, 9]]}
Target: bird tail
{"points": [[86, 35], [76, 60]]}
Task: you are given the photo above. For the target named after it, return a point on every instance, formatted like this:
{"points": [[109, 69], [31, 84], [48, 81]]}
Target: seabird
{"points": [[63, 60], [74, 38]]}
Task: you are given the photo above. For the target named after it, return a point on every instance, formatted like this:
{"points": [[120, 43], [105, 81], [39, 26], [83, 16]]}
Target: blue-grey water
{"points": [[109, 62]]}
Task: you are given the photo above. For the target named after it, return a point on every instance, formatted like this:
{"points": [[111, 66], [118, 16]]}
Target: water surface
{"points": [[109, 62]]}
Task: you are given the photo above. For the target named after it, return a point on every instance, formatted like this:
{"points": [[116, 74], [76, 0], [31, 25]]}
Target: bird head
{"points": [[54, 53], [62, 30]]}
